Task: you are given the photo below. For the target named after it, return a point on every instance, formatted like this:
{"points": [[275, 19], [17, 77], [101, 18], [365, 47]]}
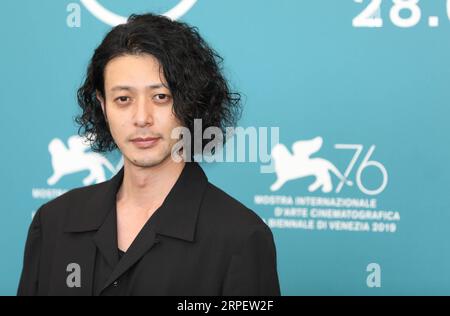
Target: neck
{"points": [[147, 187]]}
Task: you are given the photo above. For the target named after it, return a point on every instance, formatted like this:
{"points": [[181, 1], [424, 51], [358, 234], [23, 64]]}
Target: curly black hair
{"points": [[193, 71]]}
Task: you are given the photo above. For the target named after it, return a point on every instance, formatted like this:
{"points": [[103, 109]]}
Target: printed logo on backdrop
{"points": [[69, 161], [111, 18], [326, 203]]}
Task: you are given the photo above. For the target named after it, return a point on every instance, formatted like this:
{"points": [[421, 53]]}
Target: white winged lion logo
{"points": [[299, 164], [74, 158]]}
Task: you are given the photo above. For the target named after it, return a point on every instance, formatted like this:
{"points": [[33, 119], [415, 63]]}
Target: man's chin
{"points": [[148, 162]]}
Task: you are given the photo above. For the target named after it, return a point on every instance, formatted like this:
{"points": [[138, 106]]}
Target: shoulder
{"points": [[54, 211], [228, 209], [224, 218]]}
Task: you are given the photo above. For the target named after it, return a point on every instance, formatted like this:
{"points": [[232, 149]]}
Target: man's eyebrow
{"points": [[128, 88]]}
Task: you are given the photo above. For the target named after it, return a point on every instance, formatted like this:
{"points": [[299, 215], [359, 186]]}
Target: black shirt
{"points": [[200, 241]]}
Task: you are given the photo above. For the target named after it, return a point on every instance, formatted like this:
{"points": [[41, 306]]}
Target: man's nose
{"points": [[144, 112]]}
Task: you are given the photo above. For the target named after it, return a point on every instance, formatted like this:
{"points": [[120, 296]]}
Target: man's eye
{"points": [[122, 99], [161, 98]]}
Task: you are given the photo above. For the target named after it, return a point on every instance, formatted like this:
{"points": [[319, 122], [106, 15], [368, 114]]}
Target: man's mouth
{"points": [[145, 142]]}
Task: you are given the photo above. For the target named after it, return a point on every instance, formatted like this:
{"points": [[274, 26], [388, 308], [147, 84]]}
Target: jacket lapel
{"points": [[106, 239], [145, 240], [176, 218]]}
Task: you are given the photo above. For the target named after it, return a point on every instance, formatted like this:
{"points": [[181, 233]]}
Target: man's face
{"points": [[139, 105]]}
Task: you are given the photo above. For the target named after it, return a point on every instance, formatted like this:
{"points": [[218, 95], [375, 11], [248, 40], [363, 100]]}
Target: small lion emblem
{"points": [[74, 158], [299, 164]]}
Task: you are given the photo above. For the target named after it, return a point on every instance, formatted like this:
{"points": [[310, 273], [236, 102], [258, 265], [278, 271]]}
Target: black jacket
{"points": [[200, 241]]}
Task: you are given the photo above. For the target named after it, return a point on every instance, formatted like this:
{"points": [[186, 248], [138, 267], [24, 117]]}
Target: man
{"points": [[158, 227]]}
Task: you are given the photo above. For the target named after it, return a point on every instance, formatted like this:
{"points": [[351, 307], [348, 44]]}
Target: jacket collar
{"points": [[176, 217]]}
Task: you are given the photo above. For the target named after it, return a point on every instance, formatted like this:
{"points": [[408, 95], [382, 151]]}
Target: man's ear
{"points": [[100, 99]]}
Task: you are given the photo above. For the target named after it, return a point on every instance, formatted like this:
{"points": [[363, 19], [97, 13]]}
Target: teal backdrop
{"points": [[365, 84]]}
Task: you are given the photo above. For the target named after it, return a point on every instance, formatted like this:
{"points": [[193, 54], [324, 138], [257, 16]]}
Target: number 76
{"points": [[364, 164]]}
